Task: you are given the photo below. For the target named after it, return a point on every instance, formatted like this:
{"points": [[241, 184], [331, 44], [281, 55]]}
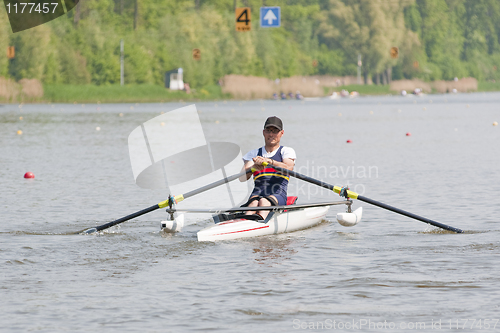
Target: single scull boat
{"points": [[281, 219]]}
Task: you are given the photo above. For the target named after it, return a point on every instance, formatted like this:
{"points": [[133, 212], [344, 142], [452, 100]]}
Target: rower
{"points": [[270, 186]]}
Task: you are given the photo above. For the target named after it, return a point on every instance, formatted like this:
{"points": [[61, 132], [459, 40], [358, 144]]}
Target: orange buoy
{"points": [[29, 175], [349, 141]]}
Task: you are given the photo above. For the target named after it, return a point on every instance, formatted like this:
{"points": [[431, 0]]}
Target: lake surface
{"points": [[388, 273]]}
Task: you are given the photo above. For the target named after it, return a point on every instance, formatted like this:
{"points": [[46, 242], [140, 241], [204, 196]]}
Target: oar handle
{"points": [[354, 195]]}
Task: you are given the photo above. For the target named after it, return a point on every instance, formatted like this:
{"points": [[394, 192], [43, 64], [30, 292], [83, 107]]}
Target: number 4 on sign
{"points": [[243, 19]]}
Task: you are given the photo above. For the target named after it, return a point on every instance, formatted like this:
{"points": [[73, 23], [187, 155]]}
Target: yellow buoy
{"points": [[19, 132], [495, 123], [21, 118]]}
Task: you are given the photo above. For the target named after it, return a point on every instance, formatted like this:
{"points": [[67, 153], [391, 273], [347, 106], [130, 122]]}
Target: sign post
{"points": [[11, 52], [196, 54], [394, 52], [243, 19], [270, 17]]}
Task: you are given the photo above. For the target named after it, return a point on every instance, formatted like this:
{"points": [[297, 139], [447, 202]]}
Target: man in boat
{"points": [[270, 186]]}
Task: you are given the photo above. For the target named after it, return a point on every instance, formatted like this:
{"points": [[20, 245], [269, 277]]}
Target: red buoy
{"points": [[29, 175], [349, 141], [408, 134]]}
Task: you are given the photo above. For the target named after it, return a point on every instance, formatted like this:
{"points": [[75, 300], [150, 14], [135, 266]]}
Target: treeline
{"points": [[436, 39]]}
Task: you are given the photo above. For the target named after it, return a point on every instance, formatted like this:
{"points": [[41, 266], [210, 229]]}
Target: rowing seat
{"points": [[291, 200]]}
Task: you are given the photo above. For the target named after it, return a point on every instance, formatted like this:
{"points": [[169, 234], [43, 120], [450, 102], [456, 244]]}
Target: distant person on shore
{"points": [[187, 88], [270, 186]]}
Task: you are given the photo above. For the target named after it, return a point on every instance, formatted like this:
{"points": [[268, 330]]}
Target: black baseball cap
{"points": [[274, 121]]}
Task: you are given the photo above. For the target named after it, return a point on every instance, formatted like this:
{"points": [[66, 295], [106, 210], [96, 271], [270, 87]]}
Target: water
{"points": [[388, 270]]}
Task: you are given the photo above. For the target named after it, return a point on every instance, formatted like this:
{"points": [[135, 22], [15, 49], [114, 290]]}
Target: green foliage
{"points": [[330, 61], [445, 38], [32, 50]]}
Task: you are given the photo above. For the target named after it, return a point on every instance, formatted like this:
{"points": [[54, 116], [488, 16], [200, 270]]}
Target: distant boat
{"points": [[334, 95], [418, 92]]}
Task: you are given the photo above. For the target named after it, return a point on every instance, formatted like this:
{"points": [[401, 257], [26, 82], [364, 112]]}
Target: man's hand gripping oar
{"points": [[353, 195], [166, 203]]}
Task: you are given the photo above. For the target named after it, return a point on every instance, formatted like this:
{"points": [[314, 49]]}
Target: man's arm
{"points": [[287, 163], [247, 165]]}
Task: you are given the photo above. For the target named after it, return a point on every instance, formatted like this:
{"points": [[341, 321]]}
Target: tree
{"points": [[365, 27]]}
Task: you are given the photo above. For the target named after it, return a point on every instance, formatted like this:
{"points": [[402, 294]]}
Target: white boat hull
{"points": [[279, 223]]}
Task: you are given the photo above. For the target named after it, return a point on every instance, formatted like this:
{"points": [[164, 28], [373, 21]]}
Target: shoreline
{"points": [[146, 93]]}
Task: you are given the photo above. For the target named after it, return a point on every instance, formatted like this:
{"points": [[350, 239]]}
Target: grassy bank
{"points": [[488, 86], [146, 93], [64, 93]]}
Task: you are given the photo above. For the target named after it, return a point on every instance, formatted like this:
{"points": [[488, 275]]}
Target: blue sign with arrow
{"points": [[270, 17]]}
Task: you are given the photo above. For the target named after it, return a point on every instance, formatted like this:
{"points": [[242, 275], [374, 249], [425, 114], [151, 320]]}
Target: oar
{"points": [[166, 203], [267, 208], [354, 195]]}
